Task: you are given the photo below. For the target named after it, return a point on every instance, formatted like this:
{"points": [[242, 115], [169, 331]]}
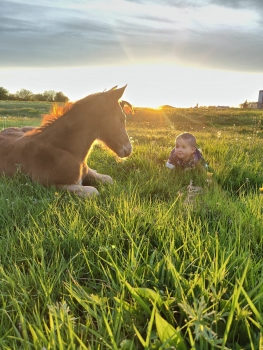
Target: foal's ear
{"points": [[117, 93]]}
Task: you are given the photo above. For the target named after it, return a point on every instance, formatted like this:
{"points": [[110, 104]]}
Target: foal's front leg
{"points": [[92, 177]]}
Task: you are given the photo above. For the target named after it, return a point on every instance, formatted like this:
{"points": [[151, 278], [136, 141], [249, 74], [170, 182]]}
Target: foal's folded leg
{"points": [[92, 177], [82, 191]]}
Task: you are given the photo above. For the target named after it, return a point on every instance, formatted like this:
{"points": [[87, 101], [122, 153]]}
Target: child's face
{"points": [[183, 149]]}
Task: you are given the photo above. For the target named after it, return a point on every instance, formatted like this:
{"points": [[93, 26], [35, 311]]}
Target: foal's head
{"points": [[109, 120], [113, 133]]}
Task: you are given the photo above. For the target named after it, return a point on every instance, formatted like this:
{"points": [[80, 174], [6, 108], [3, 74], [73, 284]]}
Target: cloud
{"points": [[45, 36], [247, 4], [227, 50], [214, 34], [244, 4], [174, 3]]}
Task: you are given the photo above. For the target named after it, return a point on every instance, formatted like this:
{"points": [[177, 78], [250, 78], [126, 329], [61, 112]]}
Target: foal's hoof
{"points": [[87, 191], [106, 179]]}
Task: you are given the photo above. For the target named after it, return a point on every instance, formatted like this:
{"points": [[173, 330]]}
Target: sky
{"points": [[176, 52]]}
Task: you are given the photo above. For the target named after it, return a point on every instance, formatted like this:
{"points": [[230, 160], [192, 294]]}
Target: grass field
{"points": [[137, 267]]}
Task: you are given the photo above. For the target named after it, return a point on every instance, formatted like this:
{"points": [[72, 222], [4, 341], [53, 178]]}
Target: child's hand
{"points": [[169, 165]]}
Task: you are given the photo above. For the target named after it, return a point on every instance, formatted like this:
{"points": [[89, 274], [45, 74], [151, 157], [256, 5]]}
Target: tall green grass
{"points": [[136, 267], [23, 108]]}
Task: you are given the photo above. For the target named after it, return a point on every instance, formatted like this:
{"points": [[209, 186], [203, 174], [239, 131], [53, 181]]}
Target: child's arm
{"points": [[201, 160], [169, 164]]}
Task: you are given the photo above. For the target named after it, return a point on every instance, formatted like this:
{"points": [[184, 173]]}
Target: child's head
{"points": [[185, 146], [188, 138]]}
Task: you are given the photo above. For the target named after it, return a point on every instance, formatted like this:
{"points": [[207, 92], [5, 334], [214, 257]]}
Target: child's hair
{"points": [[187, 137]]}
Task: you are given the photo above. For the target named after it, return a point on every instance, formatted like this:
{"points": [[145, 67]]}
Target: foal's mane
{"points": [[56, 112]]}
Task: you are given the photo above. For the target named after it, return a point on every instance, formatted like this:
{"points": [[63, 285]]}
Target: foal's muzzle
{"points": [[126, 151]]}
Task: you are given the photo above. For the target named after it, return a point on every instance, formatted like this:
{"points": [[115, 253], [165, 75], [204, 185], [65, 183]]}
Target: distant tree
{"points": [[60, 97], [39, 97], [166, 107], [25, 95], [3, 93], [49, 95], [252, 105], [244, 105], [12, 97]]}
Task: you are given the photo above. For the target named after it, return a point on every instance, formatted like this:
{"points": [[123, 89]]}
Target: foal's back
{"points": [[12, 149]]}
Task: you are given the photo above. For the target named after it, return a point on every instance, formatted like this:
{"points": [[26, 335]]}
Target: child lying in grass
{"points": [[185, 154]]}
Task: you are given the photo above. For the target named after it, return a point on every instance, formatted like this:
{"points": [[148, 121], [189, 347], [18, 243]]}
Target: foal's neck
{"points": [[69, 134]]}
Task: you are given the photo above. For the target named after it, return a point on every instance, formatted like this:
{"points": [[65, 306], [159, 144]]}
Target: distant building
{"points": [[222, 107], [260, 99]]}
